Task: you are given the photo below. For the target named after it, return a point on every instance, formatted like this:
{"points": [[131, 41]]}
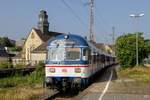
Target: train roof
{"points": [[79, 41]]}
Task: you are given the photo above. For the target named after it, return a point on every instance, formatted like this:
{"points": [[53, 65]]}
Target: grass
{"points": [[34, 78], [140, 74], [20, 87], [22, 93]]}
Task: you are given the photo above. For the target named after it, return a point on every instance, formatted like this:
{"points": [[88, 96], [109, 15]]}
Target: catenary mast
{"points": [[91, 20]]}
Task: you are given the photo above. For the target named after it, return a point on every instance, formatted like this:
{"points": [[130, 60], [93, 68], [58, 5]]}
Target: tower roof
{"points": [[43, 23], [43, 14]]}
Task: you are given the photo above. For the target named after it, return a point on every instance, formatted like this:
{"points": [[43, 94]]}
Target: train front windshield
{"points": [[64, 54]]}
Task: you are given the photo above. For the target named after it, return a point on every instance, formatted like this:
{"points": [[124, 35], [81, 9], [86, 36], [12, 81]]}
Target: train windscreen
{"points": [[64, 54]]}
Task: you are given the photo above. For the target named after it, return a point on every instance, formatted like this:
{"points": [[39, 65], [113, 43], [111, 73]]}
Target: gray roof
{"points": [[46, 37], [41, 48]]}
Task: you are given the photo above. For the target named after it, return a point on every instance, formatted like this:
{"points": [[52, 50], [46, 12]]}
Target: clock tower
{"points": [[43, 23]]}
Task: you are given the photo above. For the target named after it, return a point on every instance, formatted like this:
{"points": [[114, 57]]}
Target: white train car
{"points": [[72, 61]]}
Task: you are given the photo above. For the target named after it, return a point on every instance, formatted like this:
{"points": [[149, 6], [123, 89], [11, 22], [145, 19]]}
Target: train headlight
{"points": [[66, 36], [52, 70], [77, 70]]}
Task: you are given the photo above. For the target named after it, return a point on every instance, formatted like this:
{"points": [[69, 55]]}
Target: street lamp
{"points": [[136, 16]]}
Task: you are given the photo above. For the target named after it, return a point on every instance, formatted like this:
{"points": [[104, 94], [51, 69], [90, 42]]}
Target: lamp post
{"points": [[136, 16]]}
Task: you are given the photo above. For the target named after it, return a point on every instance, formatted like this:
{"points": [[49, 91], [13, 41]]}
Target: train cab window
{"points": [[56, 54], [85, 54], [63, 54], [72, 54]]}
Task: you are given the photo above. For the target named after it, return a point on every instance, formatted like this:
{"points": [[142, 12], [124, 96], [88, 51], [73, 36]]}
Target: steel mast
{"points": [[91, 20]]}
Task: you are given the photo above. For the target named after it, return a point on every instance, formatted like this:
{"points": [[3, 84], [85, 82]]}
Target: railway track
{"points": [[53, 96], [14, 71], [61, 96]]}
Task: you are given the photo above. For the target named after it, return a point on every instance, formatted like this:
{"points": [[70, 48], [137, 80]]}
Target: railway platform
{"points": [[109, 87]]}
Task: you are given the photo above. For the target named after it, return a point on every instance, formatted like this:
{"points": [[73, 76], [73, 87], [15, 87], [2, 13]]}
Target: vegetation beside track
{"points": [[126, 49], [19, 80], [34, 78], [28, 92], [20, 87], [140, 74]]}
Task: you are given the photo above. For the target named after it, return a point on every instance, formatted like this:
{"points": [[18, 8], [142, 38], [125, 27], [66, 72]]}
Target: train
{"points": [[72, 61]]}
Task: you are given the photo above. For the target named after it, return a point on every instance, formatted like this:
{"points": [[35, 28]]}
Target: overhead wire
{"points": [[103, 21], [53, 26], [82, 22], [74, 13]]}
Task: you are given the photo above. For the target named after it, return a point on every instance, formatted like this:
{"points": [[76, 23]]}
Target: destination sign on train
{"points": [[63, 42]]}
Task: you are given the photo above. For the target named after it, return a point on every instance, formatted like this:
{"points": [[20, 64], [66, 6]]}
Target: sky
{"points": [[17, 17]]}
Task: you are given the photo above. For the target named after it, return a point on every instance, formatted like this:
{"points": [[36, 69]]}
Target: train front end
{"points": [[67, 62]]}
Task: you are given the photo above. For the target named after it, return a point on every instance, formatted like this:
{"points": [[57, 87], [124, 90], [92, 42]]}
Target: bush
{"points": [[37, 75], [34, 78], [126, 49]]}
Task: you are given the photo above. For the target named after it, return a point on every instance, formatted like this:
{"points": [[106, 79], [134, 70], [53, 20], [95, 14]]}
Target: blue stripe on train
{"points": [[66, 62]]}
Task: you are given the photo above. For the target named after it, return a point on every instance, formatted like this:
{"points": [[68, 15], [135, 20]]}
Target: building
{"points": [[34, 48], [20, 43], [109, 49]]}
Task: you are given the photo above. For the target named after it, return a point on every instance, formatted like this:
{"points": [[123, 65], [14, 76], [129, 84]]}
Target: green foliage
{"points": [[15, 48], [34, 78], [6, 42], [37, 75], [126, 49], [147, 46], [5, 64]]}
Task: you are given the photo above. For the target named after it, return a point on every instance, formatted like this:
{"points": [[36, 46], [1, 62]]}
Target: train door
{"points": [[100, 64], [87, 57], [103, 59], [95, 61]]}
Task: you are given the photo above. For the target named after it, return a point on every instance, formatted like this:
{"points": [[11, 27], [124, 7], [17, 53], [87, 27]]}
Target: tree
{"points": [[6, 42], [126, 49], [147, 47]]}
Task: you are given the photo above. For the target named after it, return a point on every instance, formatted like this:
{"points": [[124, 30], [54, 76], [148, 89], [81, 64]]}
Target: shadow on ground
{"points": [[104, 74]]}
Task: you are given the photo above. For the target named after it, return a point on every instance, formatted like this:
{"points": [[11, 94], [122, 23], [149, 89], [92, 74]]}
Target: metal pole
{"points": [[91, 26], [137, 50], [136, 41], [136, 38], [136, 22], [113, 37]]}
